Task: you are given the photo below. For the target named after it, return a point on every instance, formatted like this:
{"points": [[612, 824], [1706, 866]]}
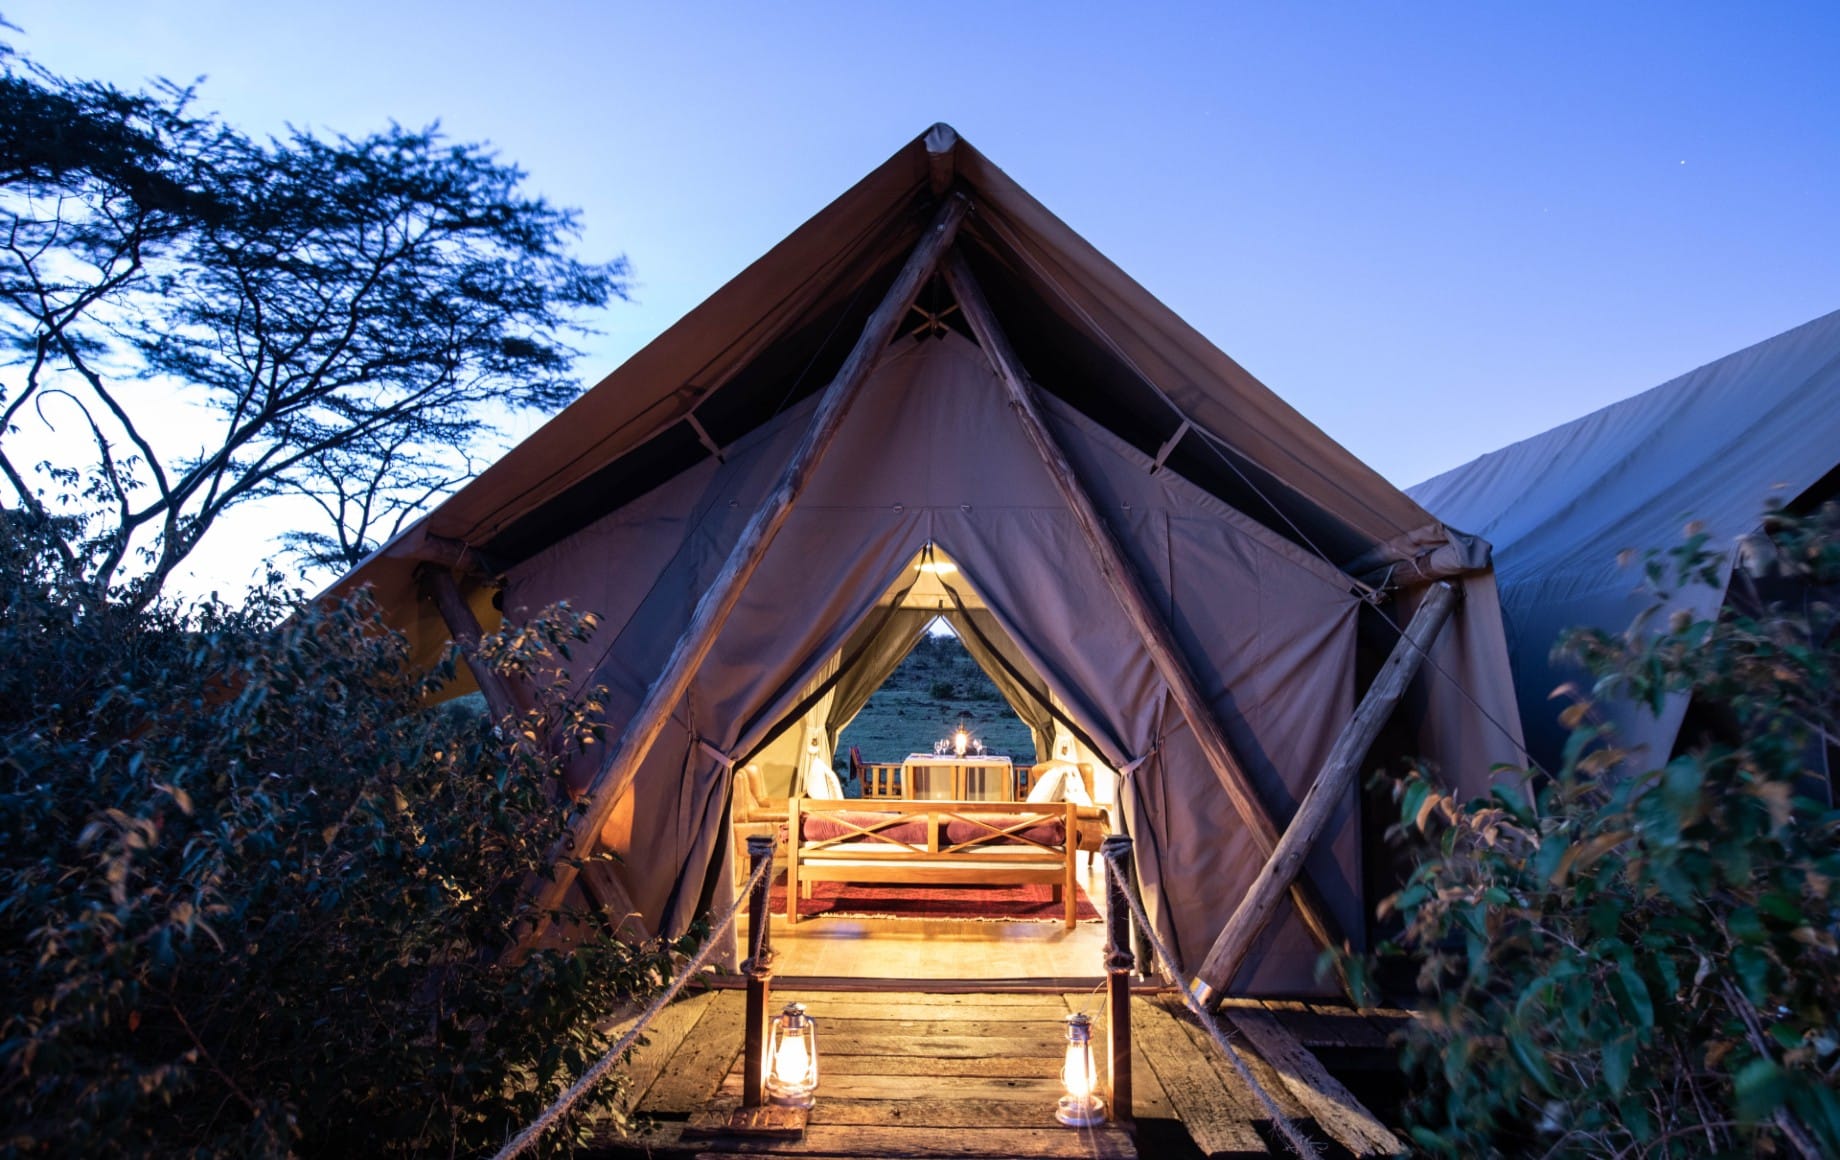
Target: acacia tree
{"points": [[195, 318]]}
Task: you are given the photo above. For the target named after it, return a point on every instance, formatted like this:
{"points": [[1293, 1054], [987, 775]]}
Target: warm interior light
{"points": [[792, 1058], [1079, 1107], [938, 567], [1077, 1071]]}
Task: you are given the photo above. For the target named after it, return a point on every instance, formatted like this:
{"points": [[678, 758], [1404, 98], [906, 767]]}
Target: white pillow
{"points": [[1047, 787], [821, 782], [1061, 783]]}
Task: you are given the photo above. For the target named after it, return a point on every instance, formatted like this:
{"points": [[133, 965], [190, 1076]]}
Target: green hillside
{"points": [[936, 688]]}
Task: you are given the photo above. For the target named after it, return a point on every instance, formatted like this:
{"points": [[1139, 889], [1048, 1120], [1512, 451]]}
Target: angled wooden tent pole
{"points": [[1255, 910], [501, 698], [648, 721], [1159, 640], [504, 699]]}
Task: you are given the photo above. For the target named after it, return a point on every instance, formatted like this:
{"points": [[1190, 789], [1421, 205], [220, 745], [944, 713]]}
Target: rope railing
{"points": [[534, 1131], [1298, 1142]]}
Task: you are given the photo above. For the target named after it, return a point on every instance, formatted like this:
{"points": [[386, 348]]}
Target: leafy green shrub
{"points": [[1643, 961], [250, 888], [942, 690]]}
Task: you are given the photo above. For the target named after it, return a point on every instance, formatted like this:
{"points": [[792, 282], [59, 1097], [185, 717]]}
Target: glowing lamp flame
{"points": [[961, 741]]}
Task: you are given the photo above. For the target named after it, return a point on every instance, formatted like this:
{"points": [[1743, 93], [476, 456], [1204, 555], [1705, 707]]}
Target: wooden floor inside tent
{"points": [[948, 1074]]}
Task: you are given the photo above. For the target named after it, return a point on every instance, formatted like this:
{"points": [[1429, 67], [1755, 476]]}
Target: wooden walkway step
{"points": [[960, 1076]]}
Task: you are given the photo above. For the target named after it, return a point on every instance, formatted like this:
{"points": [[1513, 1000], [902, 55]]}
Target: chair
{"points": [[755, 815], [1094, 821], [856, 765]]}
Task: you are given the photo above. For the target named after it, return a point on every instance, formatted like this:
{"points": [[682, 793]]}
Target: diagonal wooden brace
{"points": [[623, 760], [1284, 865], [1159, 640]]}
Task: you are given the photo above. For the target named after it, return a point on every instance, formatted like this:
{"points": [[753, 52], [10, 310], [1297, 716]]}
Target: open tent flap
{"points": [[930, 454]]}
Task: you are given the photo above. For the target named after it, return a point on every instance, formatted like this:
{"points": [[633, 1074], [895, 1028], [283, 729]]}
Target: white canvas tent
{"points": [[1254, 541], [1711, 446]]}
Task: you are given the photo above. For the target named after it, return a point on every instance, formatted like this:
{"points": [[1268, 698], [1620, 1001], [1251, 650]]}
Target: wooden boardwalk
{"points": [[965, 1076]]}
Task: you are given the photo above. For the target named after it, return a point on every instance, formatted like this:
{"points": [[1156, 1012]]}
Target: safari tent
{"points": [[1564, 507], [1168, 566]]}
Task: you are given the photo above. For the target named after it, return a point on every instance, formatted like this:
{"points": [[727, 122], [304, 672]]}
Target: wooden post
{"points": [[759, 971], [501, 698], [1281, 869], [1119, 963], [1119, 575], [623, 759]]}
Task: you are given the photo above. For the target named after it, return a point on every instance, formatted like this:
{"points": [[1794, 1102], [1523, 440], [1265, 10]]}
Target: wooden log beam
{"points": [[1159, 641], [1281, 869], [502, 698], [712, 611], [505, 700]]}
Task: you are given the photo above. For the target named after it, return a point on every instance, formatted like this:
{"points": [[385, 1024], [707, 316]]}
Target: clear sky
{"points": [[1432, 228]]}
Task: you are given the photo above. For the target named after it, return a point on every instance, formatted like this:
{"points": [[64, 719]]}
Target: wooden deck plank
{"points": [[1263, 1073], [1049, 1026], [1331, 1105], [1148, 1099], [703, 1058], [908, 1088], [660, 1042], [1218, 1119], [1350, 1028], [993, 1067], [874, 1005], [953, 1113], [901, 1143], [941, 1046]]}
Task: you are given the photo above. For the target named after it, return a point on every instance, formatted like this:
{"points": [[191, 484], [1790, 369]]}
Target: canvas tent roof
{"points": [[1712, 446], [1251, 530]]}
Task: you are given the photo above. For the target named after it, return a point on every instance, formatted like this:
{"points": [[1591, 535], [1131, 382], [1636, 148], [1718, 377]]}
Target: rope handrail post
{"points": [[523, 1140], [759, 971], [1297, 1141], [1119, 964]]}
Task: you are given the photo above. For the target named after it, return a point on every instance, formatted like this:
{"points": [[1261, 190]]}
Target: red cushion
{"points": [[1046, 831], [850, 824]]}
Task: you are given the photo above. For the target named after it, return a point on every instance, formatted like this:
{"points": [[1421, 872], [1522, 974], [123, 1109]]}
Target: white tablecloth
{"points": [[947, 777]]}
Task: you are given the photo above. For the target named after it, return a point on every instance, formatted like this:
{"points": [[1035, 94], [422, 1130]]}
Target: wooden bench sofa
{"points": [[932, 843]]}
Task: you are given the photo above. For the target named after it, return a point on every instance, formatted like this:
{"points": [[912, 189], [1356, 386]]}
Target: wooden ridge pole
{"points": [[622, 763], [1281, 869], [1159, 640]]}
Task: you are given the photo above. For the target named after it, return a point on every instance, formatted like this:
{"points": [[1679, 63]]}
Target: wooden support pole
{"points": [[759, 971], [1159, 641], [648, 721], [501, 698], [1281, 869], [1119, 963]]}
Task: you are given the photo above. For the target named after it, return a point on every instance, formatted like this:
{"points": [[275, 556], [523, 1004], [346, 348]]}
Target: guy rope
{"points": [[521, 1142]]}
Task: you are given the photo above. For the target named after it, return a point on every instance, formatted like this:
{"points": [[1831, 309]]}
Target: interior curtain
{"points": [[1028, 701], [880, 645]]}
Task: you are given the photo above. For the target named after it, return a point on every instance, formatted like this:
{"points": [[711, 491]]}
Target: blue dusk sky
{"points": [[1432, 228]]}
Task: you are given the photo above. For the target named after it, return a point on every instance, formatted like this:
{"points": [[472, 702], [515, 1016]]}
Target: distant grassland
{"points": [[936, 688]]}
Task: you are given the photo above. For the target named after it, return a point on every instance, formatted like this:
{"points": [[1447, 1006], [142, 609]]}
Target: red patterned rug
{"points": [[1028, 903]]}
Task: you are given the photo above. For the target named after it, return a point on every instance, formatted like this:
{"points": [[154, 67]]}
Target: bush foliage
{"points": [[1631, 961], [251, 888]]}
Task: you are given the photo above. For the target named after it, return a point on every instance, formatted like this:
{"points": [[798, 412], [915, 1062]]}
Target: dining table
{"points": [[948, 777]]}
